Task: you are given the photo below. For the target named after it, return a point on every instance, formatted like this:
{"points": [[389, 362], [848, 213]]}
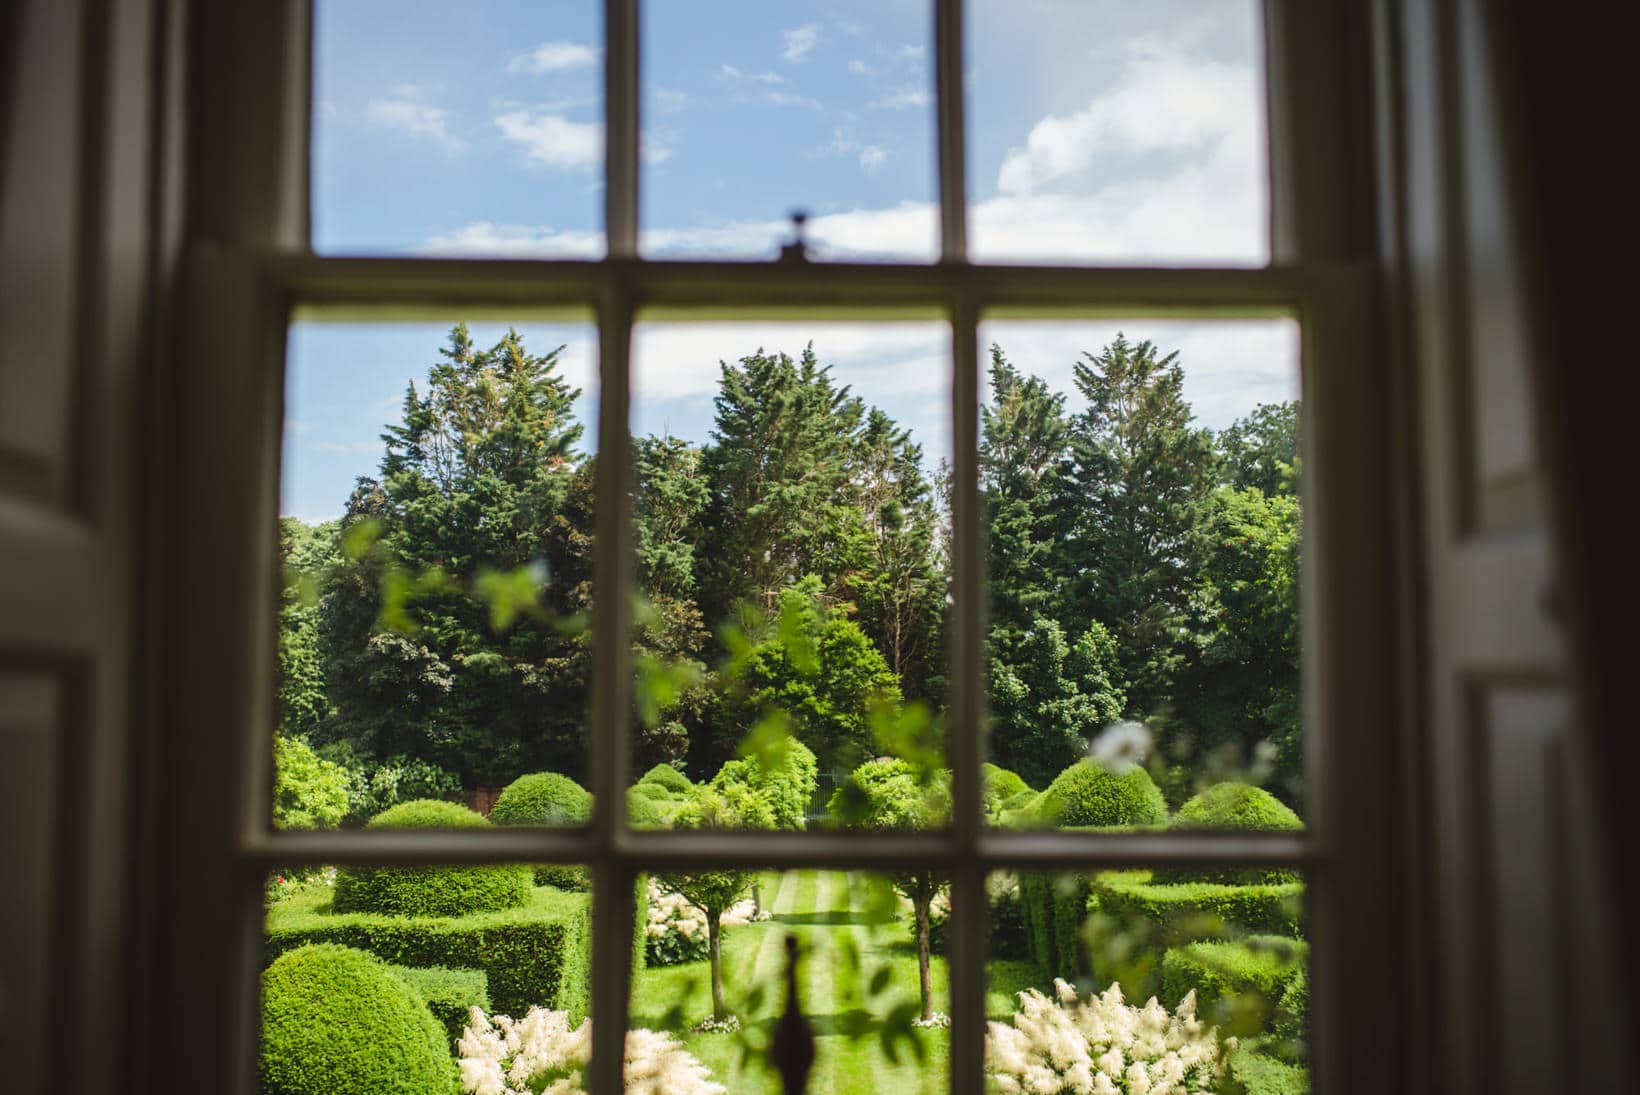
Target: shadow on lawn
{"points": [[830, 917]]}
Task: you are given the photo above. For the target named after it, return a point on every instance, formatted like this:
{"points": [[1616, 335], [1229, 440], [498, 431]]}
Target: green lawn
{"points": [[843, 952]]}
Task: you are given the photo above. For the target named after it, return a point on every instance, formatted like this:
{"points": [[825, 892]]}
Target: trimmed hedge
{"points": [[547, 799], [450, 994], [337, 1021], [1237, 985], [1089, 794], [1257, 1074], [643, 812], [1052, 909], [1234, 807], [668, 777], [430, 891], [1185, 912], [536, 955]]}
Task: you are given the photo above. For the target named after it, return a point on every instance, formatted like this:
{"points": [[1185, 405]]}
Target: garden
{"points": [[1141, 671]]}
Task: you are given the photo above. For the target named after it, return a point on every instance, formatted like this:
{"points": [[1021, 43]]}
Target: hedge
{"points": [[547, 799], [1053, 908], [1257, 1074], [1237, 985], [668, 777], [533, 955], [1089, 794], [430, 891], [450, 994], [1188, 911], [337, 1021]]}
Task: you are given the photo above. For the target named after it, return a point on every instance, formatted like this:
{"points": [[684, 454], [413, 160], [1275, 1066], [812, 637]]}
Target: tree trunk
{"points": [[714, 942], [757, 897], [924, 983]]}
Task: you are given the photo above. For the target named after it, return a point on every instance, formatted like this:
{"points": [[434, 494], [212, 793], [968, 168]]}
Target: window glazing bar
{"points": [[621, 126], [951, 130]]}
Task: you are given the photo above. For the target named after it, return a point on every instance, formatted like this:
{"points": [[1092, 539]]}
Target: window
{"points": [[258, 273]]}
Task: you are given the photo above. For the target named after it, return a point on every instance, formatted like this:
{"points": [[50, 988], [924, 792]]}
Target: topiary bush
{"points": [[337, 1021], [1237, 985], [430, 891], [1089, 794], [450, 994], [999, 785], [1239, 807], [1185, 912], [536, 955], [669, 777], [547, 798], [643, 812]]}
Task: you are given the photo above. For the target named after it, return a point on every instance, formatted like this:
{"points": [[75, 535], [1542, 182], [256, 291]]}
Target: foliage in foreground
{"points": [[542, 1053], [1103, 1046], [337, 1021]]}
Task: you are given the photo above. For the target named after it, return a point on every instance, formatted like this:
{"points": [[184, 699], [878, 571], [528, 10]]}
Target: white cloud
{"points": [[763, 87], [799, 42], [669, 100], [858, 67], [904, 98], [872, 157], [730, 72], [408, 111], [555, 57], [554, 140], [844, 143]]}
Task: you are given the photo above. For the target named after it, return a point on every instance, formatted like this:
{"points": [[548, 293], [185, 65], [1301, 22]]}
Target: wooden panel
{"points": [[29, 740], [39, 253]]}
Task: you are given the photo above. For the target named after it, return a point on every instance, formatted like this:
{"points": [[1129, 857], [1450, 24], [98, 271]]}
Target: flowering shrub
{"points": [[676, 930], [541, 1053], [1102, 1046]]}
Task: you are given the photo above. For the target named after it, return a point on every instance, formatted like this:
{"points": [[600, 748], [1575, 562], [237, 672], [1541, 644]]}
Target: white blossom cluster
{"points": [[541, 1053], [1102, 1046], [671, 912]]}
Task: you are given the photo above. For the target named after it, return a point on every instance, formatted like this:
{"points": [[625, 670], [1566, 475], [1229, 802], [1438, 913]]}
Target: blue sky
{"points": [[1103, 132]]}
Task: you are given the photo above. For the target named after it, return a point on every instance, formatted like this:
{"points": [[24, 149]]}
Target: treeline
{"points": [[1140, 566]]}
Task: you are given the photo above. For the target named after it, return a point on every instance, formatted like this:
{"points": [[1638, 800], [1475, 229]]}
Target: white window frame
{"points": [[251, 270]]}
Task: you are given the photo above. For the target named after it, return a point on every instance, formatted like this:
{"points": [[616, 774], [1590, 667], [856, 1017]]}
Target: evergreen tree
{"points": [[307, 553], [1261, 450], [1138, 475], [1050, 698]]}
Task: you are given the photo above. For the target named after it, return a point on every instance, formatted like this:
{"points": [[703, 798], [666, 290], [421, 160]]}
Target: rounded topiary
{"points": [[547, 799], [337, 1021], [668, 777], [430, 891], [655, 793], [1020, 801], [542, 798], [1089, 794], [1236, 807], [643, 812]]}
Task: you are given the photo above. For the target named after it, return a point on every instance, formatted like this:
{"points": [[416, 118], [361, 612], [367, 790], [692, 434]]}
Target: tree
{"points": [[1138, 474], [1049, 700], [733, 806], [815, 668], [307, 552], [893, 795], [308, 792], [468, 557], [1261, 450]]}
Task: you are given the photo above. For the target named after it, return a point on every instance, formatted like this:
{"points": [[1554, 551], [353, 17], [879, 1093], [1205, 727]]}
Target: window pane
{"points": [[1222, 953], [791, 529], [858, 978], [1140, 491], [436, 538], [753, 110], [445, 129], [1117, 133], [371, 974]]}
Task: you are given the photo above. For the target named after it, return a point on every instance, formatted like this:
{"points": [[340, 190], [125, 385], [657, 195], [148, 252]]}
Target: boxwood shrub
{"points": [[532, 955], [1258, 1074], [1089, 794], [337, 1021], [668, 777], [450, 994], [1234, 807], [546, 799], [1184, 912], [430, 891], [1053, 908], [1237, 985]]}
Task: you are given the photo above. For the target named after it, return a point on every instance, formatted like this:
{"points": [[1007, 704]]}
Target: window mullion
{"points": [[952, 147], [612, 900], [621, 127]]}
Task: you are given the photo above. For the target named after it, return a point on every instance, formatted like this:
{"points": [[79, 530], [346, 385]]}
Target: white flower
{"points": [[503, 1056], [1121, 746]]}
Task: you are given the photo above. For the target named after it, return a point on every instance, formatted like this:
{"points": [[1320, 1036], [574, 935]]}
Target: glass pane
{"points": [[754, 110], [435, 534], [791, 528], [1140, 491], [444, 129], [877, 1020], [1196, 978], [371, 975], [1110, 132]]}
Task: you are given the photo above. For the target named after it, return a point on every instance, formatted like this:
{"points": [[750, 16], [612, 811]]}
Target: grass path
{"points": [[841, 948]]}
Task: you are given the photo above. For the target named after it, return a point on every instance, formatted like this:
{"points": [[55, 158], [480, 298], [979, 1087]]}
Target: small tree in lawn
{"points": [[781, 769], [893, 795], [733, 806]]}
